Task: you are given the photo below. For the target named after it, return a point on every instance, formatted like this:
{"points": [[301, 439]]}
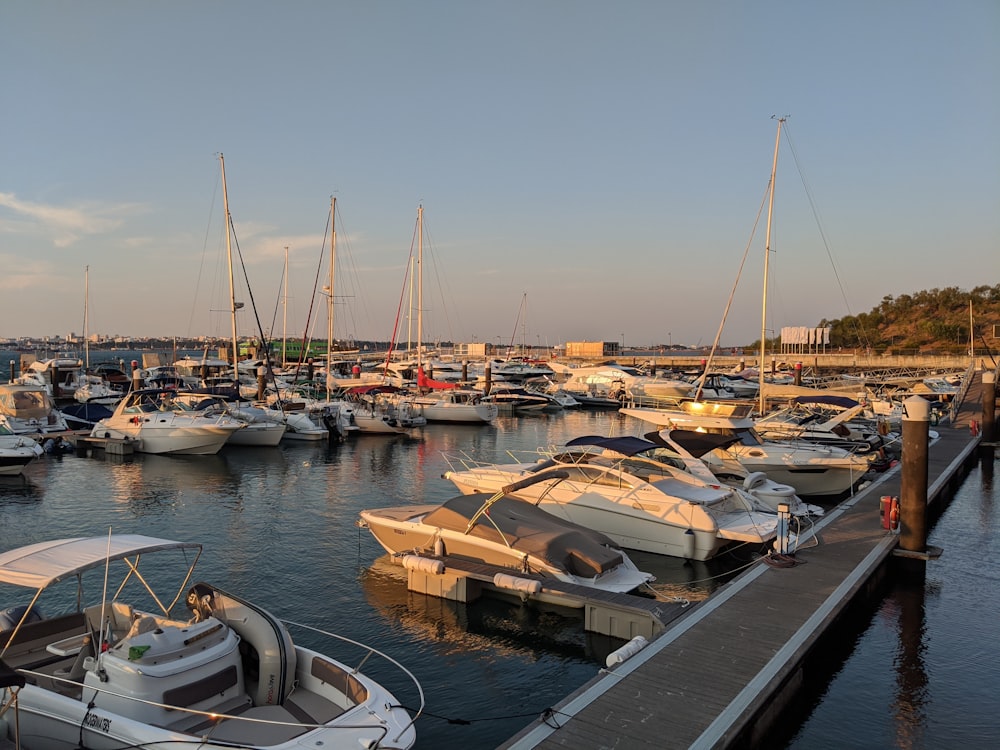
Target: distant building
{"points": [[592, 349], [475, 350]]}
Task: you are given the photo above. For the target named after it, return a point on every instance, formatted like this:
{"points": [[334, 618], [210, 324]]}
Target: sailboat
{"points": [[256, 431], [95, 392], [810, 469], [440, 401]]}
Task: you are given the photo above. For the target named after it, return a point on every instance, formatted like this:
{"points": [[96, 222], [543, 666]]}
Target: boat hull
{"points": [[457, 413], [694, 525], [401, 530], [191, 441], [258, 434]]}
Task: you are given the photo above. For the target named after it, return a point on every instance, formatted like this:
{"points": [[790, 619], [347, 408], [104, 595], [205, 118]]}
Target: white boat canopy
{"points": [[38, 566]]}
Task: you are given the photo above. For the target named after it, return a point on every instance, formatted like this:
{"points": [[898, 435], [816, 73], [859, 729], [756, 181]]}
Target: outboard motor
{"points": [[11, 617], [332, 423]]}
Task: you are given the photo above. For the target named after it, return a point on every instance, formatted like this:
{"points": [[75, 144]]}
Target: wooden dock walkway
{"points": [[721, 673]]}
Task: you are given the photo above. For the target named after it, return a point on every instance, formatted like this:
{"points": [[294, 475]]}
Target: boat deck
{"points": [[720, 673]]}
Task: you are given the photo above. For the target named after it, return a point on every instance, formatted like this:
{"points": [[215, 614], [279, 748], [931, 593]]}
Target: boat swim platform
{"points": [[622, 616], [720, 675], [88, 446]]}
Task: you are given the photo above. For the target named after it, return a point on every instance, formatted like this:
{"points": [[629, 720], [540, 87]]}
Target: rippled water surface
{"points": [[924, 669], [278, 526]]}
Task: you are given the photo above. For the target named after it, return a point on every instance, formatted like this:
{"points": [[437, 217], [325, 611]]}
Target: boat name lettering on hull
{"points": [[100, 723]]}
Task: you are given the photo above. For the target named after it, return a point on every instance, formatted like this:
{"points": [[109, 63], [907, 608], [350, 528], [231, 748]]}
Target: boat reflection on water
{"points": [[19, 490], [492, 627], [149, 483]]}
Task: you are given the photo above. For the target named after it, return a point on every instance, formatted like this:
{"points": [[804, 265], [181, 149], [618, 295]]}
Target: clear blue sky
{"points": [[603, 161]]}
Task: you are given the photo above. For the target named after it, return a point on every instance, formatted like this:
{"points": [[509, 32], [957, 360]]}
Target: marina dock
{"points": [[720, 675], [622, 616]]}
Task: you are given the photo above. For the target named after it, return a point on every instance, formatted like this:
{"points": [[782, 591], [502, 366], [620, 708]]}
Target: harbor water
{"points": [[279, 528], [921, 669]]}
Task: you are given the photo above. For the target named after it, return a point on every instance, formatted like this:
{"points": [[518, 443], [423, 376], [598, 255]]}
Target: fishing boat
{"points": [[508, 533], [224, 673], [607, 484]]}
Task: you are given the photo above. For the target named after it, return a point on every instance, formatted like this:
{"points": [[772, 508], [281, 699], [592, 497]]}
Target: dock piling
{"points": [[913, 477], [989, 407]]}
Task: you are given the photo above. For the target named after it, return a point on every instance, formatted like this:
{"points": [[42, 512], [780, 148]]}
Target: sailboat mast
{"points": [[86, 317], [329, 299], [972, 337], [767, 255], [284, 315], [420, 286], [229, 260]]}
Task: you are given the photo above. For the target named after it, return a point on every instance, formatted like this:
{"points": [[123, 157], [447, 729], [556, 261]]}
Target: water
{"points": [[922, 669], [278, 527]]}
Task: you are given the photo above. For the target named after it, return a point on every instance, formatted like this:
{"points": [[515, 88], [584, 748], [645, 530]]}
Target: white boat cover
{"points": [[38, 566]]}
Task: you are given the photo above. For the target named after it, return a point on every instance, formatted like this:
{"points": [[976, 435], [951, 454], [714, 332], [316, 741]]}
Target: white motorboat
{"points": [[813, 471], [60, 376], [609, 486], [517, 398], [503, 531], [382, 410], [557, 397], [611, 385], [30, 410], [685, 448], [450, 404], [95, 390], [823, 420], [257, 429], [16, 451], [159, 423], [225, 674]]}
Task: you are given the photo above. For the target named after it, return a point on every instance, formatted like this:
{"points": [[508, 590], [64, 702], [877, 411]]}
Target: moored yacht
{"points": [[30, 410], [127, 671], [607, 484], [16, 451], [159, 423], [813, 471], [502, 531]]}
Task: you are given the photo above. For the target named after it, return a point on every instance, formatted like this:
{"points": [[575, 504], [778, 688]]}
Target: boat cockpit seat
{"points": [[76, 671], [117, 615]]}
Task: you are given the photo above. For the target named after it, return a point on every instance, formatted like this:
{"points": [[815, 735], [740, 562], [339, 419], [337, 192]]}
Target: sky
{"points": [[587, 170]]}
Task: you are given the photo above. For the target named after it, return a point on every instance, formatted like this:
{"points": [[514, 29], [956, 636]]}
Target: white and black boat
{"points": [[224, 674], [497, 529]]}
